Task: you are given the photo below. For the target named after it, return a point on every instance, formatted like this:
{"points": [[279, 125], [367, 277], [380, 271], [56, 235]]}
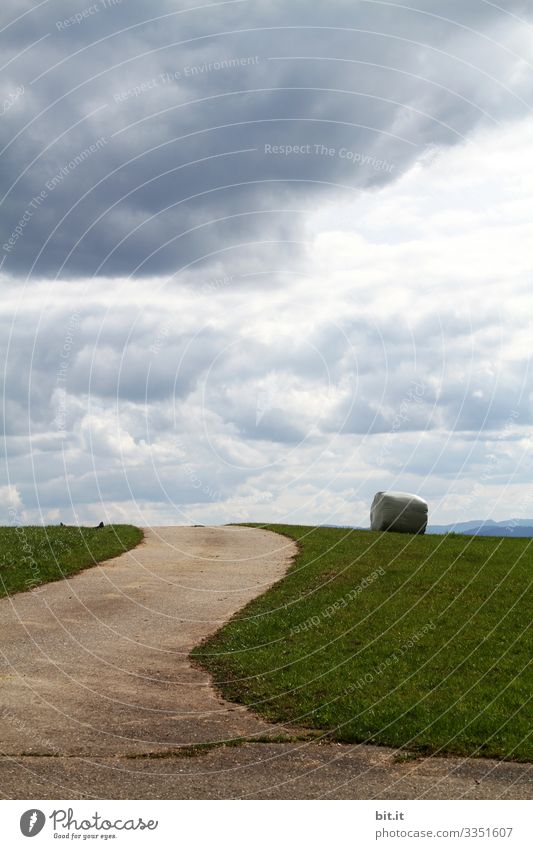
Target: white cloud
{"points": [[295, 402]]}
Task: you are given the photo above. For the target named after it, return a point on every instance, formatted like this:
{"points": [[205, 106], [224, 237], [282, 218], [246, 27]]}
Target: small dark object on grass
{"points": [[101, 525]]}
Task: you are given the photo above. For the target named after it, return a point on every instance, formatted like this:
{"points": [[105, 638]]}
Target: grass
{"points": [[30, 556], [421, 642]]}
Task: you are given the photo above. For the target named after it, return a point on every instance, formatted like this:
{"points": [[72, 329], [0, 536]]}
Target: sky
{"points": [[261, 260]]}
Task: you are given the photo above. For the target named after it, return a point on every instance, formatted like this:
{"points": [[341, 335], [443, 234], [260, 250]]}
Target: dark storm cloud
{"points": [[197, 151], [145, 146]]}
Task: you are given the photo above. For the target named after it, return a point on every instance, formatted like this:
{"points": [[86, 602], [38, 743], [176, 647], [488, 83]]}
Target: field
{"points": [[30, 556], [417, 642]]}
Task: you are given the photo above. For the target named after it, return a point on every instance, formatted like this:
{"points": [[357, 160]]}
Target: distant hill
{"points": [[487, 528], [476, 527]]}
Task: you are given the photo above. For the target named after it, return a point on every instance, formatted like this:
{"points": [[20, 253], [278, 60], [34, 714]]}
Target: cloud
{"points": [[340, 306], [143, 144]]}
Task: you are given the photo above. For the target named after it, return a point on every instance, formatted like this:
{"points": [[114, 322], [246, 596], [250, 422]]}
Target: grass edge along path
{"points": [[415, 642], [33, 555]]}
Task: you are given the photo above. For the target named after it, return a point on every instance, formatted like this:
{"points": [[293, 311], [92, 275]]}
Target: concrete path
{"points": [[99, 699]]}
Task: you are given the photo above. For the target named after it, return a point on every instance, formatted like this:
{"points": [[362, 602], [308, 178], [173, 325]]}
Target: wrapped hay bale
{"points": [[400, 512]]}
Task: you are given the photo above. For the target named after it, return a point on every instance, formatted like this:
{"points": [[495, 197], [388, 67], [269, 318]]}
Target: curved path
{"points": [[99, 698]]}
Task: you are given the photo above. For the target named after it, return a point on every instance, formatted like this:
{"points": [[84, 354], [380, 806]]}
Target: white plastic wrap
{"points": [[400, 512]]}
